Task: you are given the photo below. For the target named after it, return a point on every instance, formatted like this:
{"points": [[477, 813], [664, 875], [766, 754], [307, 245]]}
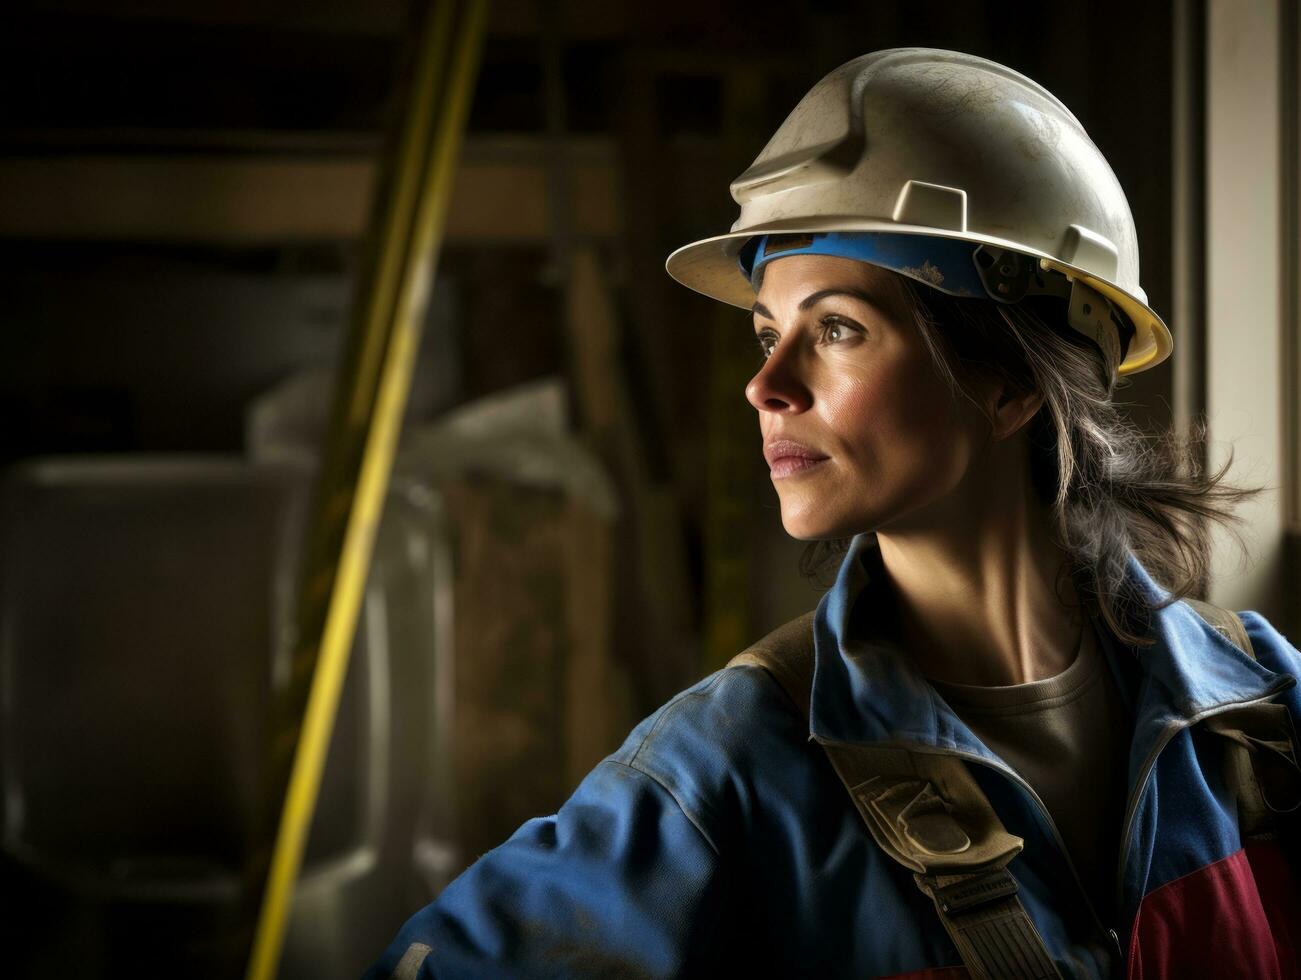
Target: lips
{"points": [[786, 457], [786, 449]]}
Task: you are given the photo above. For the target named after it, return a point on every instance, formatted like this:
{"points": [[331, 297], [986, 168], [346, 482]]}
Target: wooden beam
{"points": [[500, 195], [588, 19]]}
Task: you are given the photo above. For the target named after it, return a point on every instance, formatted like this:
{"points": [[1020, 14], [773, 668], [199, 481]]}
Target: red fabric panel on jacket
{"points": [[1280, 893], [1211, 923]]}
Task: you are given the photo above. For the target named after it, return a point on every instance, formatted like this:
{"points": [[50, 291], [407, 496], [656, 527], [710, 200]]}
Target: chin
{"points": [[817, 527]]}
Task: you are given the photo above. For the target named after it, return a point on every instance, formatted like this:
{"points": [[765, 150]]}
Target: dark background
{"points": [[183, 190], [142, 317]]}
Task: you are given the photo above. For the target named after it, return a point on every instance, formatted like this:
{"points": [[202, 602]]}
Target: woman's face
{"points": [[858, 428]]}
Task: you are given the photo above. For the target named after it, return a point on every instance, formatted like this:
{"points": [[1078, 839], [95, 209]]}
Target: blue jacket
{"points": [[718, 840]]}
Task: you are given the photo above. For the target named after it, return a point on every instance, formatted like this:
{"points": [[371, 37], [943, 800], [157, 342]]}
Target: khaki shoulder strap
{"points": [[787, 654], [1264, 763], [928, 814]]}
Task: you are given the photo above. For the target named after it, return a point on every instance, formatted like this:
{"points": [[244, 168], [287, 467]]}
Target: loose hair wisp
{"points": [[1111, 487]]}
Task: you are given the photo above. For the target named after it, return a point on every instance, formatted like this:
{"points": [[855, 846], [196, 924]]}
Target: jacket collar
{"points": [[866, 689]]}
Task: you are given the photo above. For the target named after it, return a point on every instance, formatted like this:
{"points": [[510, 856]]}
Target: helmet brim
{"points": [[711, 267]]}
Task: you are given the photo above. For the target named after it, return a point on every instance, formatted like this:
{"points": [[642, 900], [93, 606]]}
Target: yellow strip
{"points": [[369, 416]]}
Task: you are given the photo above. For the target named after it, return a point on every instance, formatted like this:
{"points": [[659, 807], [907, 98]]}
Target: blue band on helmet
{"points": [[945, 264]]}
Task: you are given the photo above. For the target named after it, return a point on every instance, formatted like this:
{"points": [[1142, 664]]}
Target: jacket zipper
{"points": [[1107, 934], [1145, 772]]}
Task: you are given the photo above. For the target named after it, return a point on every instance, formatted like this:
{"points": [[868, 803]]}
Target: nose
{"points": [[778, 386]]}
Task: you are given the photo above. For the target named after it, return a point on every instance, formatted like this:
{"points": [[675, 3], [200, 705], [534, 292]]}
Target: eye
{"points": [[834, 329]]}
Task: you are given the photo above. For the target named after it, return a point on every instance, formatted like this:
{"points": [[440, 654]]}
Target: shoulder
{"points": [[710, 742]]}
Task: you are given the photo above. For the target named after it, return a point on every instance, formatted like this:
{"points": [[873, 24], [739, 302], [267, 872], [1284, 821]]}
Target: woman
{"points": [[1045, 750]]}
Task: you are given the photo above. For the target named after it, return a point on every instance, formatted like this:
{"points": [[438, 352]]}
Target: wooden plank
{"points": [[659, 650], [596, 711], [733, 441], [499, 195], [588, 19], [511, 644]]}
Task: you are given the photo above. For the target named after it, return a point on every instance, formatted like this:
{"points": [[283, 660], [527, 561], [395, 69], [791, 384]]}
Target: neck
{"points": [[976, 579]]}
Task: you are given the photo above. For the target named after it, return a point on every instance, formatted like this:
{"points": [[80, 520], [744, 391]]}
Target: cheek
{"points": [[900, 426]]}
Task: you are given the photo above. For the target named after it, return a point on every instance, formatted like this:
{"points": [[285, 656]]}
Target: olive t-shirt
{"points": [[1068, 736]]}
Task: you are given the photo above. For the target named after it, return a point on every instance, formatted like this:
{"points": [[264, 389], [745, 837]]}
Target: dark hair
{"points": [[1111, 488]]}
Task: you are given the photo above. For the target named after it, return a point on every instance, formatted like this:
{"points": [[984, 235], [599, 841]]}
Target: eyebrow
{"points": [[821, 294]]}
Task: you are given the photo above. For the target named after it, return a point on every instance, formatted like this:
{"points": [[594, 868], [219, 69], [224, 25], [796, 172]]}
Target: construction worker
{"points": [[1005, 743]]}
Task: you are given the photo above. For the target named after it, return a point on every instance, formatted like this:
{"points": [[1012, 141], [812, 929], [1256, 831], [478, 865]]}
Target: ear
{"points": [[1009, 409]]}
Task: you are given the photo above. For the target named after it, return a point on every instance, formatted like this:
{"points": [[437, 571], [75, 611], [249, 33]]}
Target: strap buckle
{"points": [[972, 891]]}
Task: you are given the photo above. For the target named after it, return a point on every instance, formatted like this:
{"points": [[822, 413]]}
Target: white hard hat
{"points": [[955, 166]]}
